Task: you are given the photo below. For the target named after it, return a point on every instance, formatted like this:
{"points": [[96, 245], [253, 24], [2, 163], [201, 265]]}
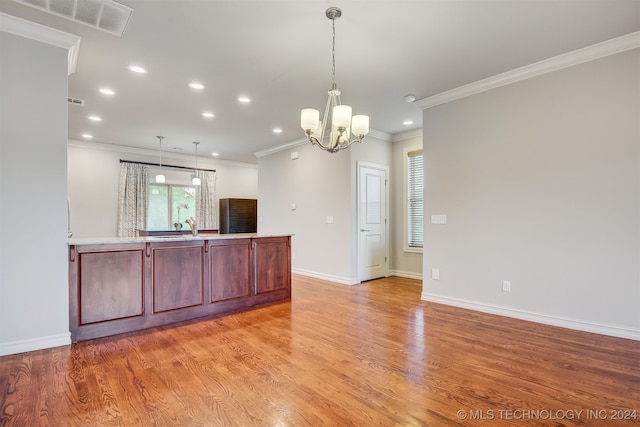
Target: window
{"points": [[170, 205], [415, 200]]}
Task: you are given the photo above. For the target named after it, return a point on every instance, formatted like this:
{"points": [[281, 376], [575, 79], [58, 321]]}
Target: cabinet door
{"points": [[177, 277], [272, 258], [230, 268], [110, 285]]}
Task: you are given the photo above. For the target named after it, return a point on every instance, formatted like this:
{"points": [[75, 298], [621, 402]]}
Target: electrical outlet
{"points": [[435, 273], [506, 286]]}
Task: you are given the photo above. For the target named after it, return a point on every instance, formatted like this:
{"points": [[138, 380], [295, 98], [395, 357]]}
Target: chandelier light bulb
{"points": [[309, 119]]}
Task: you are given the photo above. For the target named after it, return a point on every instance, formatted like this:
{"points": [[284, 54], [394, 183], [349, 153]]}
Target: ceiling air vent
{"points": [[76, 101], [105, 15]]}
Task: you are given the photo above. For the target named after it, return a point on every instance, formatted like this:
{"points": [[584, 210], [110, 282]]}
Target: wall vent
{"points": [[105, 15], [76, 101]]}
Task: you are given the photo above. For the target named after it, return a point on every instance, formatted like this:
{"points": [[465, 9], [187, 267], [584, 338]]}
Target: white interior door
{"points": [[372, 221]]}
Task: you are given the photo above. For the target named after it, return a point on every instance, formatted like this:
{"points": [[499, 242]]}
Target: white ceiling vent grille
{"points": [[76, 101], [105, 15]]}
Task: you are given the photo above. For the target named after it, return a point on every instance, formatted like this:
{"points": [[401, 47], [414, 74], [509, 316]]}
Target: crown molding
{"points": [[125, 149], [576, 57], [302, 141], [281, 147], [410, 134], [384, 136], [21, 27]]}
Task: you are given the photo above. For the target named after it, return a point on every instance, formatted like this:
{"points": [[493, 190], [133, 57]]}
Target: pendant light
{"points": [[195, 179], [160, 179]]}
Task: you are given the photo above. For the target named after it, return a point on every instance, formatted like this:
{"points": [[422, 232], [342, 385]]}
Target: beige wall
{"points": [[541, 184], [406, 264]]}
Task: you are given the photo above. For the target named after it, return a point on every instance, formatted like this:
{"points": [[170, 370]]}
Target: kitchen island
{"points": [[121, 285]]}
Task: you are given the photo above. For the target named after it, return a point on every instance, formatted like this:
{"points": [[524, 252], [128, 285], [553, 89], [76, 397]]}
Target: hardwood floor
{"points": [[366, 355]]}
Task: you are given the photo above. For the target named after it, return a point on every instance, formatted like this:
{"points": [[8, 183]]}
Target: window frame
{"points": [[169, 206], [405, 159]]}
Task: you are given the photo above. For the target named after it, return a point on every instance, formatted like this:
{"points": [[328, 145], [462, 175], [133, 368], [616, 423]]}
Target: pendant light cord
{"points": [[160, 138]]}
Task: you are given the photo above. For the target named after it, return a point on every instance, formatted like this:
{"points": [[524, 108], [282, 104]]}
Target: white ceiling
{"points": [[278, 52]]}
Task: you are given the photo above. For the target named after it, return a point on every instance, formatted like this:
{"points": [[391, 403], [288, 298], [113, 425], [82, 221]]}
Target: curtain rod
{"points": [[168, 166]]}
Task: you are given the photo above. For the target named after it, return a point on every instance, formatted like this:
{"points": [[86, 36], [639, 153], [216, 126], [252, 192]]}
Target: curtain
{"points": [[206, 212], [133, 196]]}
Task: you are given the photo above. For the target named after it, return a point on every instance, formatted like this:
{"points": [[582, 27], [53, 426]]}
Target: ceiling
{"points": [[278, 53]]}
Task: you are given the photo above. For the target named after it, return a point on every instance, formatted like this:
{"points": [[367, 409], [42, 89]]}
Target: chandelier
{"points": [[343, 126]]}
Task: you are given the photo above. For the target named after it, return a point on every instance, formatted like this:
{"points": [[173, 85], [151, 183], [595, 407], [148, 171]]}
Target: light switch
{"points": [[329, 220], [435, 273], [438, 219], [292, 206], [294, 155]]}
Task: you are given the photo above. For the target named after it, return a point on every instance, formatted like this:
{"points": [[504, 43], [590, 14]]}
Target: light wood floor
{"points": [[366, 355]]}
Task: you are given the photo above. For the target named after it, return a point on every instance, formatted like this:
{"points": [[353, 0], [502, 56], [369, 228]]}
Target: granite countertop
{"points": [[175, 238]]}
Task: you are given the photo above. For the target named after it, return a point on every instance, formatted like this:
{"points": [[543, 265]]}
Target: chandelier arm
{"points": [[315, 141]]}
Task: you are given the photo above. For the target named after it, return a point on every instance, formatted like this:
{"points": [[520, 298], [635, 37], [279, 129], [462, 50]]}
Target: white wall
{"points": [[405, 264], [320, 184], [541, 184], [93, 174], [34, 310]]}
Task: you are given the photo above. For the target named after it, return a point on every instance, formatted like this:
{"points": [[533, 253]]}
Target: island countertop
{"points": [[172, 238], [121, 285]]}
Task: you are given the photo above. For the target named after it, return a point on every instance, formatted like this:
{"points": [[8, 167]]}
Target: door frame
{"points": [[385, 169]]}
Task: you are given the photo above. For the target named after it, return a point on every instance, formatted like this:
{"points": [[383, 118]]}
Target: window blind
{"points": [[415, 198]]}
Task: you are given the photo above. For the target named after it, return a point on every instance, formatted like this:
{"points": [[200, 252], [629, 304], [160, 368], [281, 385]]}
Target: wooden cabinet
{"points": [[177, 278], [238, 216], [272, 264], [230, 268], [110, 284], [122, 287]]}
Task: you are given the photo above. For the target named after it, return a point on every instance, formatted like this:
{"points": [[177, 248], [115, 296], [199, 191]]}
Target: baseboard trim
{"points": [[406, 274], [40, 343], [327, 277], [563, 322]]}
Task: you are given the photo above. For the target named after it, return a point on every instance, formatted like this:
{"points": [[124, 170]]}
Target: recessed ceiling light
{"points": [[207, 114], [407, 122], [87, 136], [106, 91], [215, 154], [244, 99], [137, 69], [95, 118], [410, 98], [277, 130], [196, 85]]}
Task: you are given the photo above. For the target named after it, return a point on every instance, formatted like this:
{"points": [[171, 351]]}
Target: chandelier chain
{"points": [[333, 54]]}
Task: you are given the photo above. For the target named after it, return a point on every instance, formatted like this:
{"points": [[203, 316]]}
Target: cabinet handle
{"points": [[362, 229]]}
